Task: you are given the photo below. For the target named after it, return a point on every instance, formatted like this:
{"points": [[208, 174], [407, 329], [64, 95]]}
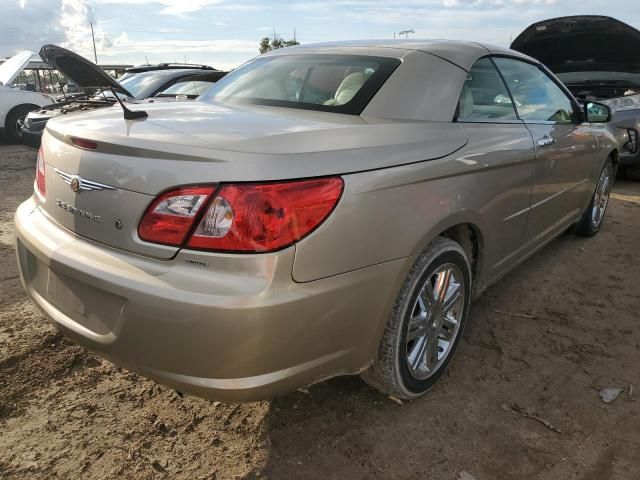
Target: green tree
{"points": [[267, 44]]}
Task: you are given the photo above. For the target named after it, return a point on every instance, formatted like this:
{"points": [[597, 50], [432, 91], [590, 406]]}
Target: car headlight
{"points": [[630, 102]]}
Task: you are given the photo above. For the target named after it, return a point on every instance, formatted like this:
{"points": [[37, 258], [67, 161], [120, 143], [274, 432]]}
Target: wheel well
{"points": [[30, 106], [613, 155], [468, 237]]}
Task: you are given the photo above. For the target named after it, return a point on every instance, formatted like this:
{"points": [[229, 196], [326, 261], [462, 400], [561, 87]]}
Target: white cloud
{"points": [[497, 3], [226, 32], [122, 45], [74, 20], [180, 7]]}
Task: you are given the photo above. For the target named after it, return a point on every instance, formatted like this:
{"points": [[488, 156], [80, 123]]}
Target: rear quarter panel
{"points": [[396, 212]]}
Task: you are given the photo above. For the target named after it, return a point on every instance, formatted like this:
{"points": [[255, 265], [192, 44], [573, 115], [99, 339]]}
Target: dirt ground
{"points": [[521, 400]]}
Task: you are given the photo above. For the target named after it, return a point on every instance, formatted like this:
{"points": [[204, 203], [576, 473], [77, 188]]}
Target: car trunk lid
{"points": [[95, 209], [189, 143]]}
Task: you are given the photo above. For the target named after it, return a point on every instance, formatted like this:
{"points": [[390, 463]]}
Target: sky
{"points": [[225, 33]]}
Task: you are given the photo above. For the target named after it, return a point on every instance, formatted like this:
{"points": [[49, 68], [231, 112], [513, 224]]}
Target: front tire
{"points": [[15, 122], [593, 217], [426, 323]]}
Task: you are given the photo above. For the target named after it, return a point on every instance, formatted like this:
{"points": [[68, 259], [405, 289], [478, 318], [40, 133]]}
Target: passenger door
{"points": [[501, 147], [565, 149]]}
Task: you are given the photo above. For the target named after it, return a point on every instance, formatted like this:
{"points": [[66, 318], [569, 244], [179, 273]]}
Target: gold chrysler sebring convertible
{"points": [[324, 210]]}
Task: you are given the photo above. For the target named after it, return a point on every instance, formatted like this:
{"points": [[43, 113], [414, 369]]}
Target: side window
{"points": [[484, 96], [537, 97]]}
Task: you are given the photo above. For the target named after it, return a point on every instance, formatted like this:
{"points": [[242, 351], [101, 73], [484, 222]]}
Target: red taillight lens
{"points": [[265, 217], [170, 217], [240, 218], [40, 177], [83, 143]]}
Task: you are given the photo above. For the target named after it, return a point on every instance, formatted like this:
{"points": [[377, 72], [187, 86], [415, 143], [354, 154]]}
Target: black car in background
{"points": [[160, 82], [597, 58]]}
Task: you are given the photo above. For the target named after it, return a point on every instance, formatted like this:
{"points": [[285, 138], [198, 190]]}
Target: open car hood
{"points": [[81, 71], [10, 69], [582, 43]]}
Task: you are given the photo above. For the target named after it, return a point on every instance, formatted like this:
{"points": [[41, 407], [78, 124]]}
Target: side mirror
{"points": [[596, 112]]}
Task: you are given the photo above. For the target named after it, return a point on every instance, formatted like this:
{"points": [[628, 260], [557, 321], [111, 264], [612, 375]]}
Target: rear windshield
{"points": [[333, 83], [191, 88], [140, 85]]}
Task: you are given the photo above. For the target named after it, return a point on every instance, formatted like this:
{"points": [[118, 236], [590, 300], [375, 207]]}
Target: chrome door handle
{"points": [[545, 141]]}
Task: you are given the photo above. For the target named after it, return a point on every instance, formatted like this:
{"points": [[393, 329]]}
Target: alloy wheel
{"points": [[601, 197], [435, 321], [19, 124]]}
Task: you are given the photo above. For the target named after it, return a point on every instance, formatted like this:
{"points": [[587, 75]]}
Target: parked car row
{"points": [[321, 210], [16, 103], [26, 113], [185, 82]]}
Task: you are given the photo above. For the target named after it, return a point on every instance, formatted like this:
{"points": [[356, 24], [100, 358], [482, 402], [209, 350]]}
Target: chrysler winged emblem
{"points": [[75, 184], [79, 184]]}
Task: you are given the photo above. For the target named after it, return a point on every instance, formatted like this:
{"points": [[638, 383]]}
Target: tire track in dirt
{"points": [[23, 374]]}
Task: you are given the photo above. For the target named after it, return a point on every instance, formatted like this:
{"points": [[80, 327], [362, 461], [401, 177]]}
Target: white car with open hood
{"points": [[15, 103]]}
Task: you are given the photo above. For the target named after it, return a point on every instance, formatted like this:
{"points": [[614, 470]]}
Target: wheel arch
{"points": [[466, 229], [615, 160], [468, 236], [32, 106]]}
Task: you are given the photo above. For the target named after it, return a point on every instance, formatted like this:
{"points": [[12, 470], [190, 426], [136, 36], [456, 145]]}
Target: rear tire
{"points": [[593, 216], [426, 323], [15, 121]]}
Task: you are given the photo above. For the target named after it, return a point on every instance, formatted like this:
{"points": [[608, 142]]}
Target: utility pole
{"points": [[95, 54], [294, 35]]}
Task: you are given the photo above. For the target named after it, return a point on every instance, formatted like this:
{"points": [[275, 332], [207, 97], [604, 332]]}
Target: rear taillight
{"points": [[84, 143], [248, 217], [265, 217], [41, 185], [170, 217]]}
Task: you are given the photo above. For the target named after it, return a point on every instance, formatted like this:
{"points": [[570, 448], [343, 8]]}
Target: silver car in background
{"points": [[598, 59], [323, 210]]}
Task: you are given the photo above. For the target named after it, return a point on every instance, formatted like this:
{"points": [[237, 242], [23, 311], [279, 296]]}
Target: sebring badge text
{"points": [[78, 212]]}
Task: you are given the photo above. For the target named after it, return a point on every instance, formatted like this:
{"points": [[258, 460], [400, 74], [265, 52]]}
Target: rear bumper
{"points": [[237, 329]]}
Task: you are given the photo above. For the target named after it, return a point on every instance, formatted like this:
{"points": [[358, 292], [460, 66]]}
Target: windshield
{"points": [[191, 88], [142, 84], [334, 83]]}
